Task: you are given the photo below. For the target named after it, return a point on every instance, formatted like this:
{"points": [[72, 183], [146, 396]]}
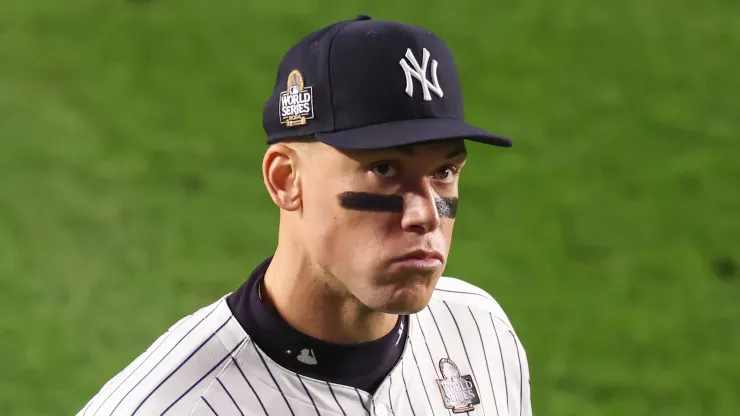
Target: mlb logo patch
{"points": [[296, 102]]}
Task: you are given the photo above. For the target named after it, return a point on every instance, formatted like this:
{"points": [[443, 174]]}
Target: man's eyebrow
{"points": [[459, 150], [407, 150]]}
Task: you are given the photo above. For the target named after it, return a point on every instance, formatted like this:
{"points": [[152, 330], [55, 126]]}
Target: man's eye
{"points": [[385, 169], [446, 174]]}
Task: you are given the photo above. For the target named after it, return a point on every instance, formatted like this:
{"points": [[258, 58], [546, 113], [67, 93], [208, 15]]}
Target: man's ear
{"points": [[281, 176]]}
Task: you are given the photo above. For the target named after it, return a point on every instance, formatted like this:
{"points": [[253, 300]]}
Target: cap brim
{"points": [[407, 132]]}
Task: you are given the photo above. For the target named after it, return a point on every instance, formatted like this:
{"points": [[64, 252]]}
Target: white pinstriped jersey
{"points": [[206, 364]]}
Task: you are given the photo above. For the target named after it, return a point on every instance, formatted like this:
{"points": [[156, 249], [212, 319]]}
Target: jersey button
{"points": [[381, 410]]}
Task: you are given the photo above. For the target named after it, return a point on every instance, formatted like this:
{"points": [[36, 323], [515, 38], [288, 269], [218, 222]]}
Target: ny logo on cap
{"points": [[420, 73]]}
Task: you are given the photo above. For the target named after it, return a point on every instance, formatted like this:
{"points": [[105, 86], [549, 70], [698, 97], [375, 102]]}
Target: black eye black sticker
{"points": [[446, 207], [365, 201]]}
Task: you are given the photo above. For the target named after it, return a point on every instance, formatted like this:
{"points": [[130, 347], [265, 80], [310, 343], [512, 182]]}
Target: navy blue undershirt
{"points": [[362, 366]]}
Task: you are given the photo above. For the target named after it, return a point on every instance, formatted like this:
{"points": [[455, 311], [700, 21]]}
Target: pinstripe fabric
{"points": [[206, 365]]}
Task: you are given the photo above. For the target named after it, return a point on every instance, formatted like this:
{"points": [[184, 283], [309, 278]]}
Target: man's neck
{"points": [[309, 303]]}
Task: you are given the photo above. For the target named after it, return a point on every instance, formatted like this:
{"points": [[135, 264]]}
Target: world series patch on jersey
{"points": [[462, 356]]}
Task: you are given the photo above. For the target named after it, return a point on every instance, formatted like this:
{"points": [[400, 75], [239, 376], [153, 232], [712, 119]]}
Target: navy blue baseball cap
{"points": [[370, 84]]}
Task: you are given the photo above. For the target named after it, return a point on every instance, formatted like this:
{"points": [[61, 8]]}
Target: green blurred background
{"points": [[131, 193]]}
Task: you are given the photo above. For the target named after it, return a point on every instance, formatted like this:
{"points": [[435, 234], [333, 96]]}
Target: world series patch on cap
{"points": [[370, 84], [296, 104]]}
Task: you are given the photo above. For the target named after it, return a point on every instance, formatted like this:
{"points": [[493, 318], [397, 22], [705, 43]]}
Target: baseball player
{"points": [[349, 315]]}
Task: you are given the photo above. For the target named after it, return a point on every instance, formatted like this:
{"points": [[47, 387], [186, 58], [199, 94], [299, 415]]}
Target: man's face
{"points": [[380, 222]]}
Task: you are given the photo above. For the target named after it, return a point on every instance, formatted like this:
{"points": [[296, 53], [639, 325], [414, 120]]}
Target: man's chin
{"points": [[408, 300], [404, 309]]}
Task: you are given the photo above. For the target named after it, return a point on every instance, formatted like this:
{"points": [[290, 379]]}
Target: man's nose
{"points": [[420, 212]]}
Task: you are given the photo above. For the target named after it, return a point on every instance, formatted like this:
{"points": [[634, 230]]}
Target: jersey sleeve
{"points": [[516, 372], [526, 382], [499, 335], [171, 374]]}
